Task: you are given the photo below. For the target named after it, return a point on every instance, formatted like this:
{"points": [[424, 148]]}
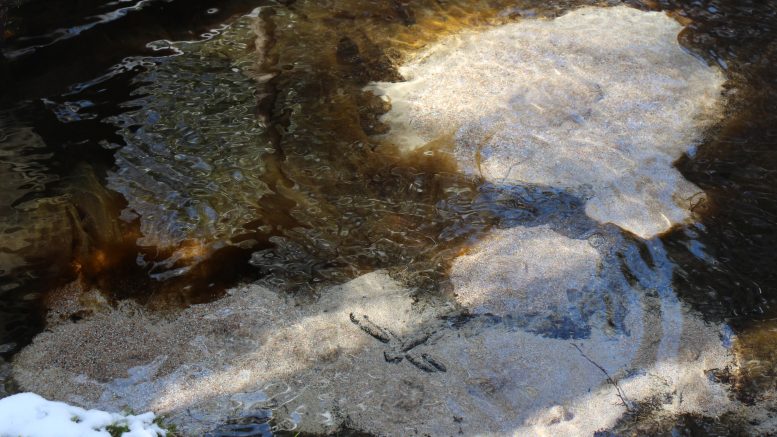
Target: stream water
{"points": [[148, 151]]}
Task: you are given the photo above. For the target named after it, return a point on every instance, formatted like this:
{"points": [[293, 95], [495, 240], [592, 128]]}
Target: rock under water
{"points": [[600, 100], [194, 155]]}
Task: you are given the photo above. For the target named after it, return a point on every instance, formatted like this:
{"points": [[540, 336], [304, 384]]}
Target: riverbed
{"points": [[171, 161]]}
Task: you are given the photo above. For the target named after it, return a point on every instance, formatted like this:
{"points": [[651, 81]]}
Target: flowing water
{"points": [[167, 150]]}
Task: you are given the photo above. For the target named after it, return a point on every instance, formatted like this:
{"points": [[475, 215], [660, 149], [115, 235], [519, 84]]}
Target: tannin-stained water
{"points": [[251, 156]]}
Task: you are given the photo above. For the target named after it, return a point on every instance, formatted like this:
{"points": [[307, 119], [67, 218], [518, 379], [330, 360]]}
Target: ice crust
{"points": [[497, 274], [549, 283], [600, 100], [29, 415], [512, 351], [313, 369]]}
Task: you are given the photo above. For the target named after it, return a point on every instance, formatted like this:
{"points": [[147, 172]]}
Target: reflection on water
{"points": [[301, 181], [193, 162], [249, 155]]}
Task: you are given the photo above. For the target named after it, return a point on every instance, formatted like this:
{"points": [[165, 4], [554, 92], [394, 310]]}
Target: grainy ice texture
{"points": [[550, 283], [366, 355], [505, 266], [602, 100]]}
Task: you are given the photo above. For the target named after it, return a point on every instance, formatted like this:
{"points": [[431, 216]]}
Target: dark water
{"points": [[167, 172], [59, 59]]}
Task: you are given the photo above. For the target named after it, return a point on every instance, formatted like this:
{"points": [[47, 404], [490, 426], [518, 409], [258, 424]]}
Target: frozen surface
{"points": [[549, 283], [600, 100], [364, 354], [29, 415], [497, 275]]}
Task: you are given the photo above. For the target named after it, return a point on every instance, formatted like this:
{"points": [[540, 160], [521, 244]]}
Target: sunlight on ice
{"points": [[600, 100]]}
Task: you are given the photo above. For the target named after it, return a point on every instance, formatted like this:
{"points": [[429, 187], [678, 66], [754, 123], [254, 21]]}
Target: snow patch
{"points": [[30, 415]]}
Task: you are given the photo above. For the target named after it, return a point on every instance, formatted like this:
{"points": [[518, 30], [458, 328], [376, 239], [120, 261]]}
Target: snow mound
{"points": [[29, 415], [600, 100]]}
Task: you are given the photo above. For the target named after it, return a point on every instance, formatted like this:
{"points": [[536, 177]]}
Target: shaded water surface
{"points": [[167, 171]]}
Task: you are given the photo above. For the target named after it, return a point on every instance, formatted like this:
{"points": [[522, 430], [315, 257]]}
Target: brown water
{"points": [[169, 172]]}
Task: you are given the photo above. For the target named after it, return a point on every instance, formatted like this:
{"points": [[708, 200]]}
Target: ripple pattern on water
{"points": [[194, 157]]}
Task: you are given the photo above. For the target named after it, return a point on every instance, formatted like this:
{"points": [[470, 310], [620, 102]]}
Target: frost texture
{"points": [[366, 355], [601, 100]]}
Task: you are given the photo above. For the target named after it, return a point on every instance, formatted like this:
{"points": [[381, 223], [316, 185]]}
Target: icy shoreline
{"points": [[365, 355]]}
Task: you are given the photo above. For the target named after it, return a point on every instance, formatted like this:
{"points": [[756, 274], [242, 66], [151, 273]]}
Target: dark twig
{"points": [[380, 334], [620, 392]]}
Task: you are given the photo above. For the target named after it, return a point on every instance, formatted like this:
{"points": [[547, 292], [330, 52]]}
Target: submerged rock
{"points": [[600, 100], [43, 219], [51, 224], [192, 165]]}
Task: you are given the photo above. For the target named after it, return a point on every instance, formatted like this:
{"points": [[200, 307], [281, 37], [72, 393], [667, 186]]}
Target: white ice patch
{"points": [[532, 270], [367, 355], [548, 283], [29, 415], [600, 100]]}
